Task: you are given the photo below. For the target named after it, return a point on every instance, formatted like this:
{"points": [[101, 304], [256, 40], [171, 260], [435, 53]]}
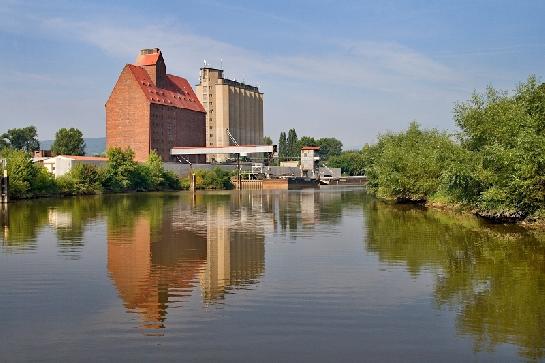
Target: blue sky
{"points": [[347, 69]]}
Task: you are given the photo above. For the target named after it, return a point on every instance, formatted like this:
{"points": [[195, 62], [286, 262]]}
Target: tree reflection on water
{"points": [[492, 276]]}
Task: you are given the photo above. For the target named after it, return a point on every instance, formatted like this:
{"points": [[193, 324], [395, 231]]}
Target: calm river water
{"points": [[330, 275]]}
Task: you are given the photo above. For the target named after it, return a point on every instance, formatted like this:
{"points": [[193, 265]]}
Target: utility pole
{"points": [[4, 183]]}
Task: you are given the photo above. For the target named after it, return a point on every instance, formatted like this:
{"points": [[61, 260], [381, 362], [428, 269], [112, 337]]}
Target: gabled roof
{"points": [[177, 93]]}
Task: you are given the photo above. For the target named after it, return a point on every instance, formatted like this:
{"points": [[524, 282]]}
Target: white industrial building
{"points": [[62, 164]]}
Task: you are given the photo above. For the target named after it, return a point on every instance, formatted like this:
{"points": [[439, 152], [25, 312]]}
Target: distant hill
{"points": [[93, 145]]}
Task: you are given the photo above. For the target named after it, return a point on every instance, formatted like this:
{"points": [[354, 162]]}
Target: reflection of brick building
{"points": [[149, 109]]}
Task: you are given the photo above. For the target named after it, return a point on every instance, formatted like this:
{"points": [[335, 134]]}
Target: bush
{"points": [[213, 179], [81, 180], [408, 166], [119, 175], [351, 163], [505, 137], [26, 179]]}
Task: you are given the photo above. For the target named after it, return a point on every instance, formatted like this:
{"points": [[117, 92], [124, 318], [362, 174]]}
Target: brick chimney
{"points": [[152, 61]]}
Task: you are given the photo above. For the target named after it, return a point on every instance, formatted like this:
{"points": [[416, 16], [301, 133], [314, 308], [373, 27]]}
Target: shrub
{"points": [[82, 179], [26, 179], [408, 166], [213, 179]]}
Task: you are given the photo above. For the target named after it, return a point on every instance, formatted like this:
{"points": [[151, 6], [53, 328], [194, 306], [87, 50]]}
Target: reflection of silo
{"points": [[247, 256], [235, 257], [146, 263], [218, 264]]}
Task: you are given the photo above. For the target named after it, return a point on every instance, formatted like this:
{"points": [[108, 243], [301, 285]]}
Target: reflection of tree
{"points": [[494, 277], [21, 222], [70, 218]]}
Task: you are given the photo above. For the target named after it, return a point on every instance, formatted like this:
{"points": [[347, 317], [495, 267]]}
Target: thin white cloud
{"points": [[379, 66], [353, 90]]}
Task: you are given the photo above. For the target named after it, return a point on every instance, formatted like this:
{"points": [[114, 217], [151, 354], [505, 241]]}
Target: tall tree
{"points": [[292, 144], [307, 141], [329, 146], [267, 140], [25, 138], [68, 142], [282, 145]]}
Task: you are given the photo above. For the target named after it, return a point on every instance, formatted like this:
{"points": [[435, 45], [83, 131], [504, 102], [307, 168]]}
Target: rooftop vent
{"points": [[149, 51]]}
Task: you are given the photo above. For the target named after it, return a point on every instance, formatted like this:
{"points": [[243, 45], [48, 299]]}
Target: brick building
{"points": [[149, 109]]}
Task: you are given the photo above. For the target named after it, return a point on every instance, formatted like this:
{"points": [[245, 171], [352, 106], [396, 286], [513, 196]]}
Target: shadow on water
{"points": [[492, 276]]}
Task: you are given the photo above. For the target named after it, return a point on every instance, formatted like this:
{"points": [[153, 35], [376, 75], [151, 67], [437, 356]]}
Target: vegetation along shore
{"points": [[492, 166]]}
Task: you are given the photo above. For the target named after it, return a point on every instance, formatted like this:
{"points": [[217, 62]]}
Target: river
{"points": [[329, 275]]}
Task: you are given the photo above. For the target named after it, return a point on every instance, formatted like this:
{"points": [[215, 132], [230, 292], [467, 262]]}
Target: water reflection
{"points": [[492, 276], [168, 251]]}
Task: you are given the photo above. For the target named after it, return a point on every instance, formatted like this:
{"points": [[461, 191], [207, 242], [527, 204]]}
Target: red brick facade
{"points": [[151, 110]]}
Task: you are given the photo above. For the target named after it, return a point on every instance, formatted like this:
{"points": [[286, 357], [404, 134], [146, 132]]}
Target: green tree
{"points": [[503, 175], [68, 142], [292, 145], [267, 140], [26, 178], [408, 166], [329, 146], [25, 138], [213, 179], [307, 141], [120, 173], [81, 179], [282, 146], [350, 162]]}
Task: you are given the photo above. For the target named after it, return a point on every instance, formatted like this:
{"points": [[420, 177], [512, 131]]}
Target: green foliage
{"points": [[307, 141], [329, 147], [82, 179], [498, 170], [292, 145], [408, 166], [120, 173], [29, 180], [68, 142], [505, 137], [26, 179], [350, 162], [213, 179], [124, 174], [282, 146], [25, 139], [267, 140]]}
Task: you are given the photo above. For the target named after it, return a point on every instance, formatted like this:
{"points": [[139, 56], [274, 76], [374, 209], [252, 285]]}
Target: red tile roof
{"points": [[178, 93], [310, 148]]}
